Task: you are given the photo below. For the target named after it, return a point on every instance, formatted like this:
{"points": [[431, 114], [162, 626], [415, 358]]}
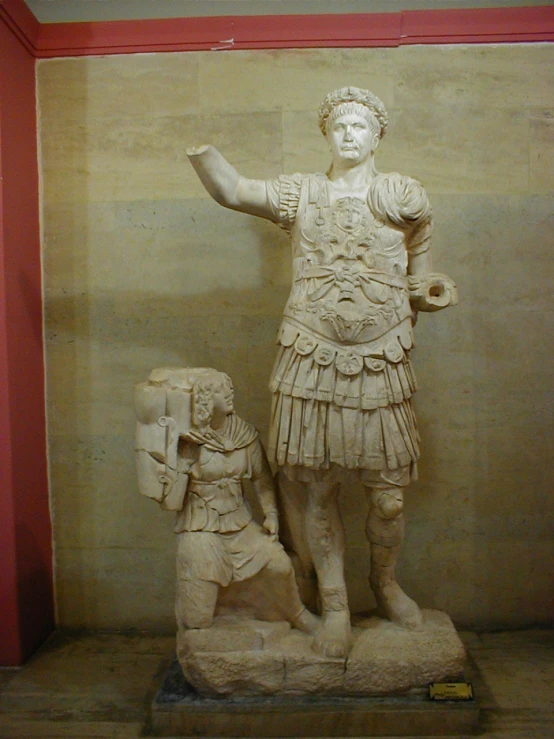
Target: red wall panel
{"points": [[26, 590]]}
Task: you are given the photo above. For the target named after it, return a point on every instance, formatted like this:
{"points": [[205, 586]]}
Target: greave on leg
{"points": [[386, 532], [385, 537]]}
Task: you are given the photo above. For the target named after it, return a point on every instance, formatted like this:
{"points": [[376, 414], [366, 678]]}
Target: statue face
{"points": [[351, 139], [223, 399]]}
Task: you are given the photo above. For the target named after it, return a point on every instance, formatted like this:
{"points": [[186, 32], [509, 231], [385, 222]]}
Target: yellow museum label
{"points": [[451, 691]]}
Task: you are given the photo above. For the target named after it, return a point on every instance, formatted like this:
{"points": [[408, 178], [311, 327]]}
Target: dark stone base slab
{"points": [[178, 711]]}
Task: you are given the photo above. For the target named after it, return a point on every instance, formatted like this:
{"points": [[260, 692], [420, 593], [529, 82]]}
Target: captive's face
{"points": [[351, 139], [223, 399]]}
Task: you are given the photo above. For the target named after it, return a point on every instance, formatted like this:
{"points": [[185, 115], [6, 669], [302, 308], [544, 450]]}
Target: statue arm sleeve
{"points": [[227, 186], [283, 195]]}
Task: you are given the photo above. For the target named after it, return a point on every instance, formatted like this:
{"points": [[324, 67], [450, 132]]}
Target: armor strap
{"points": [[318, 194], [311, 272]]}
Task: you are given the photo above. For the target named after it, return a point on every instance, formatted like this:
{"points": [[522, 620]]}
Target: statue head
{"points": [[353, 101], [212, 393]]}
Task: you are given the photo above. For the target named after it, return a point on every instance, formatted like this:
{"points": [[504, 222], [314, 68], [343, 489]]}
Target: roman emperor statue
{"points": [[342, 382]]}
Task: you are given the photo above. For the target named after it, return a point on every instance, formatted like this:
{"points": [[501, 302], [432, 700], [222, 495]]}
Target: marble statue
{"points": [[343, 380], [193, 454]]}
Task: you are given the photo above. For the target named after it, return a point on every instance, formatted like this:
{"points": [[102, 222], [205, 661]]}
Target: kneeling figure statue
{"points": [[193, 453]]}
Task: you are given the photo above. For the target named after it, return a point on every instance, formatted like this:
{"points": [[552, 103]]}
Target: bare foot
{"points": [[307, 622], [395, 605], [333, 638]]}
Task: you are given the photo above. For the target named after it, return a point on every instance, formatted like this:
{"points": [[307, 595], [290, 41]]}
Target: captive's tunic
{"points": [[342, 380], [219, 541]]}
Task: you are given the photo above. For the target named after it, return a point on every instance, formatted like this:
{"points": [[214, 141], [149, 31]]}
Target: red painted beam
{"points": [[478, 25], [222, 32], [23, 24], [26, 569], [450, 26]]}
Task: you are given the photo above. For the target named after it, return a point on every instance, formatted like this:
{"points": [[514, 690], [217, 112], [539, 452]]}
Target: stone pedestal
{"points": [[281, 688], [249, 657]]}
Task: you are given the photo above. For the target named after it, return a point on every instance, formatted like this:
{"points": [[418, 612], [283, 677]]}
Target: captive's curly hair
{"points": [[346, 95], [203, 390]]}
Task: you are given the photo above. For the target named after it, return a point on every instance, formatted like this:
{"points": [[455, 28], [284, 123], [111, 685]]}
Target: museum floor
{"points": [[95, 685]]}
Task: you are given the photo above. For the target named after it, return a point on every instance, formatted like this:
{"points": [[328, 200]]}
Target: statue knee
{"points": [[280, 564], [389, 504], [385, 522], [191, 616]]}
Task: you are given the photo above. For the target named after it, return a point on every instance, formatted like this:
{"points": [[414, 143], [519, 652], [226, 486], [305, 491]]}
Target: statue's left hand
{"points": [[432, 291], [271, 524]]}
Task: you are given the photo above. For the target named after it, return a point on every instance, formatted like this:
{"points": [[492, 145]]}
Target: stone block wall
{"points": [[142, 269]]}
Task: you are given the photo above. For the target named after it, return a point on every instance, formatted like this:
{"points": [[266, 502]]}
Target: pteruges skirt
{"points": [[363, 421]]}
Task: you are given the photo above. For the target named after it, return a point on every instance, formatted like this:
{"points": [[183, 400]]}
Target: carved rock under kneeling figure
{"points": [[193, 454]]}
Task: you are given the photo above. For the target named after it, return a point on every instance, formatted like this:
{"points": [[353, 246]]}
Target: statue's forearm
{"points": [[216, 174], [420, 264], [227, 186], [262, 480], [266, 495]]}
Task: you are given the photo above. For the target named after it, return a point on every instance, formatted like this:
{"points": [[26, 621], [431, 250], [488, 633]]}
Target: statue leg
{"points": [[385, 532], [196, 594], [325, 536], [286, 595], [195, 603], [292, 509]]}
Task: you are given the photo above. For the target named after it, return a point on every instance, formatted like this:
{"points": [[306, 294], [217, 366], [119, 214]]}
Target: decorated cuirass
{"points": [[350, 287]]}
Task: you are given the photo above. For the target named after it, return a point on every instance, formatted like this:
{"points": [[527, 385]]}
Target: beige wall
{"points": [[142, 269]]}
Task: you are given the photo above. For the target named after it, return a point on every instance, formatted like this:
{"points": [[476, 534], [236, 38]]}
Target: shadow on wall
{"points": [[33, 588]]}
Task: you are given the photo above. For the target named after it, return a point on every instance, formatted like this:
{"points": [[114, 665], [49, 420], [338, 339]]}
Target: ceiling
{"points": [[59, 11]]}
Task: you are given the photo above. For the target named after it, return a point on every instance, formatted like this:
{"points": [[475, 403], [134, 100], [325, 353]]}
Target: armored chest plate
{"points": [[349, 282]]}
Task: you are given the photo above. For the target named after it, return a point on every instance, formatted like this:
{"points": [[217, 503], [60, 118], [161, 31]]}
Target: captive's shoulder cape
{"points": [[236, 434]]}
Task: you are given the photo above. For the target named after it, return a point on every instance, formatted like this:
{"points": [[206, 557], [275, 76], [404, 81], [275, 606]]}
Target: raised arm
{"points": [[227, 186]]}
